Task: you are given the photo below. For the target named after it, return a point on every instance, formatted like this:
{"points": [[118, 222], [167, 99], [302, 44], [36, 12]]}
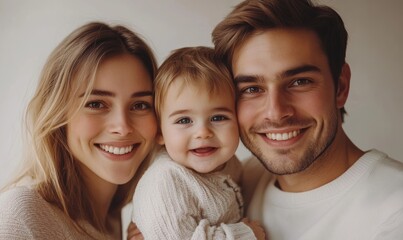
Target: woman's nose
{"points": [[121, 124]]}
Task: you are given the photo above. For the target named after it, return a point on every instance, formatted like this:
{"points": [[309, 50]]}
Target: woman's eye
{"points": [[95, 105], [184, 121], [141, 106], [218, 118]]}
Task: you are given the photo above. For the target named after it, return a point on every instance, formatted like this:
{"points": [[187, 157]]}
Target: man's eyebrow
{"points": [[104, 93], [287, 73], [246, 78], [300, 69]]}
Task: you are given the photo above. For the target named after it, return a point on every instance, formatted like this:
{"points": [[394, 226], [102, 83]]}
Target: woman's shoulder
{"points": [[25, 214], [25, 204], [21, 212], [19, 199]]}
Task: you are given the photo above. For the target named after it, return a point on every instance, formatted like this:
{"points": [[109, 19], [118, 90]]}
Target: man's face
{"points": [[288, 109]]}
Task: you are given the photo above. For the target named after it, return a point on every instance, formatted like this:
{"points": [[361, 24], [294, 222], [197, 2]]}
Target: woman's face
{"points": [[112, 134]]}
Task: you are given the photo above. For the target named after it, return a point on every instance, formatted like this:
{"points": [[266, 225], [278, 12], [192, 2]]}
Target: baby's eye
{"points": [[95, 105], [218, 118], [184, 121], [141, 106]]}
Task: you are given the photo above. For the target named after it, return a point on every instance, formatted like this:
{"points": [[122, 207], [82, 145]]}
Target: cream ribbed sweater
{"points": [[173, 202], [24, 214]]}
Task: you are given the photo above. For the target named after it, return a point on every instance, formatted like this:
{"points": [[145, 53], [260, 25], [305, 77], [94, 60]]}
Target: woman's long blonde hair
{"points": [[49, 161]]}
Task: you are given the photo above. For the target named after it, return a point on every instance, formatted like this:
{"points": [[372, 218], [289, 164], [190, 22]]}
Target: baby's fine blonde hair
{"points": [[197, 67]]}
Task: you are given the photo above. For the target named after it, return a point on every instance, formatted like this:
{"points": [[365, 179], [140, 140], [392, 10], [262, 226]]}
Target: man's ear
{"points": [[343, 86]]}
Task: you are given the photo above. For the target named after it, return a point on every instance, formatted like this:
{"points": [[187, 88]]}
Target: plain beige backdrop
{"points": [[29, 30]]}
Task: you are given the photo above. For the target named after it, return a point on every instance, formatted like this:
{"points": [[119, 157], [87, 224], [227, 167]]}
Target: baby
{"points": [[191, 190]]}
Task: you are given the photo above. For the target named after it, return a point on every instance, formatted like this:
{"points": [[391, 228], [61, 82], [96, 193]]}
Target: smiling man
{"points": [[287, 58]]}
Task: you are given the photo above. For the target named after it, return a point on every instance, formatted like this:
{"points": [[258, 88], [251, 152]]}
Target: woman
{"points": [[91, 129]]}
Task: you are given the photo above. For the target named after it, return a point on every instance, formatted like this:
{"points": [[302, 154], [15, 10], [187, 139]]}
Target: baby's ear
{"points": [[160, 139]]}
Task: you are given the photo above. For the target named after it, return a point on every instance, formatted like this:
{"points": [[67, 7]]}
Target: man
{"points": [[287, 58]]}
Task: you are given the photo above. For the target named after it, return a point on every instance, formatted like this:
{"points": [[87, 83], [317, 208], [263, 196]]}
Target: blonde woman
{"points": [[91, 128]]}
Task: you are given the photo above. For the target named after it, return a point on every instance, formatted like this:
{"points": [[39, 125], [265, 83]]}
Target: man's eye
{"points": [[251, 90], [218, 118], [94, 105], [184, 121], [301, 81]]}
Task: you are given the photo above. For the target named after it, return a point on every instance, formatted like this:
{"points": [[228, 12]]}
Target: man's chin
{"points": [[282, 163]]}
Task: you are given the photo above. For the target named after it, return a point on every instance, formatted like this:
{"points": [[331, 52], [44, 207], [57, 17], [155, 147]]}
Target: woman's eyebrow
{"points": [[104, 93], [142, 94]]}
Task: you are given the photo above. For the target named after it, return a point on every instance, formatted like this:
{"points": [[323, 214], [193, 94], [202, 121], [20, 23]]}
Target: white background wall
{"points": [[29, 30]]}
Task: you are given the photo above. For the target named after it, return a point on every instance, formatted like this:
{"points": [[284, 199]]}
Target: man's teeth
{"points": [[282, 136], [116, 150]]}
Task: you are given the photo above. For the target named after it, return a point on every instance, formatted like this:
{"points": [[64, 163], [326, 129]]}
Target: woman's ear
{"points": [[160, 139], [343, 86]]}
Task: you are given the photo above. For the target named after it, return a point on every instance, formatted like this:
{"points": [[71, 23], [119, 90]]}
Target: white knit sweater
{"points": [[174, 202], [24, 214], [366, 202]]}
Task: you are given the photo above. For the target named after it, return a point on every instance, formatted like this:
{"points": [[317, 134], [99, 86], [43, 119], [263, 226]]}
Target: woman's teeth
{"points": [[116, 150]]}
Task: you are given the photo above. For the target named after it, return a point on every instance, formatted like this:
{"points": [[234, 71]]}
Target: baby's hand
{"points": [[133, 233], [256, 228]]}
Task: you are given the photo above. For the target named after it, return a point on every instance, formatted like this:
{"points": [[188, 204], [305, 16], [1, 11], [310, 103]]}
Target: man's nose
{"points": [[277, 106]]}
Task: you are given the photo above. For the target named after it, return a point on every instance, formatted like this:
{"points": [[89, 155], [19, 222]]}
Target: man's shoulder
{"points": [[385, 167], [383, 182], [387, 174]]}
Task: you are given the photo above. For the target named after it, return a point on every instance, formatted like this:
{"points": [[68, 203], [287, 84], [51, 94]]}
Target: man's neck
{"points": [[337, 159]]}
